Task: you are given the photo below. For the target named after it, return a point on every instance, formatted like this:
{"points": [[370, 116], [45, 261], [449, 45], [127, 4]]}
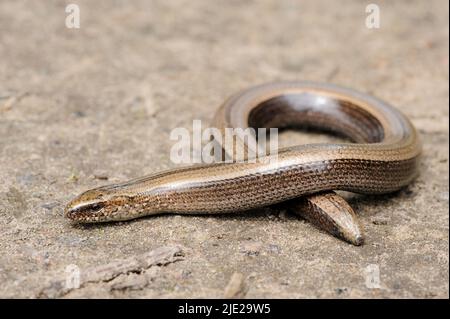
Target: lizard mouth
{"points": [[85, 212]]}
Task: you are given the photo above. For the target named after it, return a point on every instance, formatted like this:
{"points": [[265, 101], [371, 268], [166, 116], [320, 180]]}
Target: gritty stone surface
{"points": [[84, 107]]}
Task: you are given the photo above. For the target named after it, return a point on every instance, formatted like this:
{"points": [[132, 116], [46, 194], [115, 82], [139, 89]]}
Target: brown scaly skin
{"points": [[330, 212], [384, 158]]}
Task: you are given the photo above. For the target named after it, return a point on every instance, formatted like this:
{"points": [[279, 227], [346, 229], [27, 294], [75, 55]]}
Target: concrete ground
{"points": [[84, 107]]}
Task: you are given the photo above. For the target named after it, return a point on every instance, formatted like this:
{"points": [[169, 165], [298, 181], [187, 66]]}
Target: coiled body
{"points": [[383, 158]]}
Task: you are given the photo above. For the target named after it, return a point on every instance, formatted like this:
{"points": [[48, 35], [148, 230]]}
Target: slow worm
{"points": [[382, 157]]}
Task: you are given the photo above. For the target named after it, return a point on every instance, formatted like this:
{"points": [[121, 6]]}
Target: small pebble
{"points": [[252, 248], [274, 248], [79, 114], [380, 221], [101, 177], [341, 290], [50, 206]]}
